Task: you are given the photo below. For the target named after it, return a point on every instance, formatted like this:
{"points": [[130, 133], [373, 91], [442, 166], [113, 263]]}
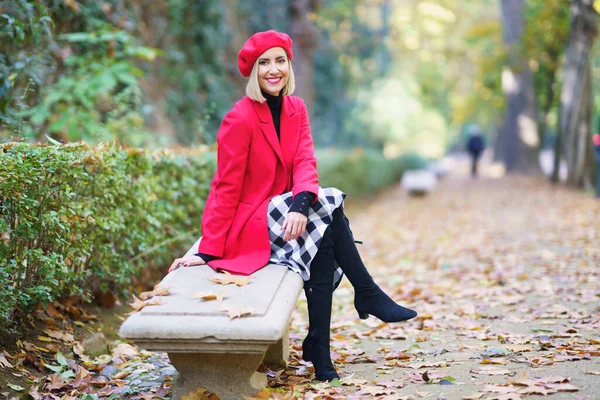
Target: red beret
{"points": [[258, 44]]}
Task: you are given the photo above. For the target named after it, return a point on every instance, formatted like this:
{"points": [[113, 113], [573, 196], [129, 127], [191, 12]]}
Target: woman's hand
{"points": [[186, 262], [294, 225]]}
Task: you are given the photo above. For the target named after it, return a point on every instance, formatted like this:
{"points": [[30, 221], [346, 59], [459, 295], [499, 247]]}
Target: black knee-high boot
{"points": [[319, 294], [368, 297]]}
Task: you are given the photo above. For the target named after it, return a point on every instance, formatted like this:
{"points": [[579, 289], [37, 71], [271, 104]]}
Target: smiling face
{"points": [[273, 70]]}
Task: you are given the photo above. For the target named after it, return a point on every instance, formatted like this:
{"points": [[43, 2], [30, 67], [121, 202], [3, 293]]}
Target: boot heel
{"points": [[363, 315]]}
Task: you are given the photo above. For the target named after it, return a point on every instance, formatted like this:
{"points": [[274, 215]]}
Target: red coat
{"points": [[252, 167]]}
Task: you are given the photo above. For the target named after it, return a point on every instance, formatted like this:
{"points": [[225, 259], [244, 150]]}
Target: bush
{"points": [[75, 219], [360, 172]]}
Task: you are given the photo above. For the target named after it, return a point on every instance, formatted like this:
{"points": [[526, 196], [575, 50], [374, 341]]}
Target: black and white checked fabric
{"points": [[298, 254]]}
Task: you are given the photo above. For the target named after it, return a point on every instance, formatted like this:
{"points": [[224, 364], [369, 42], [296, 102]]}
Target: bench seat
{"points": [[418, 182], [206, 347]]}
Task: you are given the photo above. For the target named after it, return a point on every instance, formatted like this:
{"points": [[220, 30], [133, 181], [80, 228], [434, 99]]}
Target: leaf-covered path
{"points": [[505, 275]]}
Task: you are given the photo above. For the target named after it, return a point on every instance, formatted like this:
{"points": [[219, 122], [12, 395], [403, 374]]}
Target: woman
{"points": [[265, 204]]}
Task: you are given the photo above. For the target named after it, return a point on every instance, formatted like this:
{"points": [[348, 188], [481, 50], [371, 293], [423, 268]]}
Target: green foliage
{"points": [[74, 219], [362, 171], [199, 92], [100, 98], [80, 84], [25, 59], [350, 55]]}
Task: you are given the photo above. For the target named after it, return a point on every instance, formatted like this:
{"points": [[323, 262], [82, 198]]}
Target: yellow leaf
{"points": [[204, 296], [235, 312], [200, 394], [227, 279], [157, 291], [210, 295]]}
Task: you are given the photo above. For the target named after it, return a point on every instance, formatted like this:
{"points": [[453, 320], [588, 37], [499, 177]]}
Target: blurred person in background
{"points": [[596, 141], [265, 204], [475, 147]]}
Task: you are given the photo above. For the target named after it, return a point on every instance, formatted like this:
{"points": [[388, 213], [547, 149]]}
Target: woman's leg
{"points": [[368, 297], [319, 295]]}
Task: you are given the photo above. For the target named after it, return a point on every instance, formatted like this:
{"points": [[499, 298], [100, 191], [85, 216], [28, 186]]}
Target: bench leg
{"points": [[280, 350], [228, 375]]}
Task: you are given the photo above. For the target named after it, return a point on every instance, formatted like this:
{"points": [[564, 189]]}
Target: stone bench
{"points": [[207, 348], [418, 182]]}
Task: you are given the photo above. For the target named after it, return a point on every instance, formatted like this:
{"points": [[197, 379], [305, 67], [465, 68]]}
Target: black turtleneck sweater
{"points": [[303, 200]]}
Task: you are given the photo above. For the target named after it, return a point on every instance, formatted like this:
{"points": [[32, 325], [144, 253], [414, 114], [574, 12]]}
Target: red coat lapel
{"points": [[289, 126], [267, 127]]}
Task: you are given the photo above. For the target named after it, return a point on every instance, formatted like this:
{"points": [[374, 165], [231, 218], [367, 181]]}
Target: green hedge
{"points": [[361, 171], [75, 219]]}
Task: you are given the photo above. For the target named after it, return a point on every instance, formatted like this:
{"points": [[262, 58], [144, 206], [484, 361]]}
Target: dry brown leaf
{"points": [[200, 394], [263, 394], [35, 394], [493, 371], [121, 374], [592, 373], [210, 295], [235, 312], [474, 396], [155, 301], [562, 387], [374, 391], [500, 389], [80, 351], [353, 382], [159, 290], [226, 278], [137, 304], [125, 351], [56, 382], [499, 361], [4, 362], [64, 336]]}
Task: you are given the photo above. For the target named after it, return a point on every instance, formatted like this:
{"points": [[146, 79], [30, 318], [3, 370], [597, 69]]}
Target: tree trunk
{"points": [[574, 127], [519, 139], [305, 35]]}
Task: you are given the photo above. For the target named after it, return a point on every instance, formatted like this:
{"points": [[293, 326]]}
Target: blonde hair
{"points": [[253, 86]]}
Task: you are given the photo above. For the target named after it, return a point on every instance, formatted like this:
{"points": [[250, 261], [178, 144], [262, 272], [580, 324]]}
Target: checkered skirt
{"points": [[298, 254]]}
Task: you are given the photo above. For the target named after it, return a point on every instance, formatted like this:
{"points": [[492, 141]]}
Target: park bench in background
{"points": [[209, 349], [418, 182]]}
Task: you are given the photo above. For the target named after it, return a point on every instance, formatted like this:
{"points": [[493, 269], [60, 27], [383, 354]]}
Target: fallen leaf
{"points": [[159, 290], [200, 394], [210, 295], [500, 361], [56, 382], [35, 394], [64, 336], [227, 279], [235, 312], [262, 395], [4, 362], [474, 396], [137, 304], [562, 387], [592, 373], [374, 391], [124, 351], [493, 371]]}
